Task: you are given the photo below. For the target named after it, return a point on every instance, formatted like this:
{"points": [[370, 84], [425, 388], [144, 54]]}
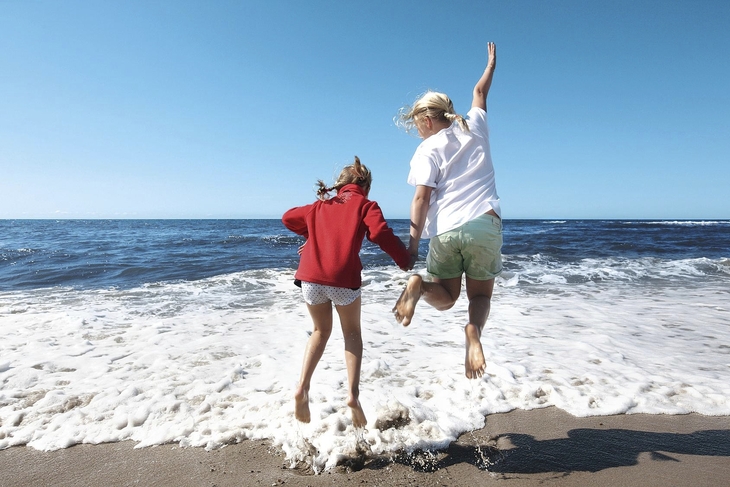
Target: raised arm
{"points": [[481, 89]]}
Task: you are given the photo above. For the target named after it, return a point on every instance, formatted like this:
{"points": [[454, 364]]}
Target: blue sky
{"points": [[233, 109]]}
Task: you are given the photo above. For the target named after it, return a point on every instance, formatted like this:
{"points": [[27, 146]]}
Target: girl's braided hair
{"points": [[356, 173]]}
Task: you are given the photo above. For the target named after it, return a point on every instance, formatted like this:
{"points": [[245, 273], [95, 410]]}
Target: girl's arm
{"points": [[481, 89], [419, 209], [295, 220], [381, 234]]}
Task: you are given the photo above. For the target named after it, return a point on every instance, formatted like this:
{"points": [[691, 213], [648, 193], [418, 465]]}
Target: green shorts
{"points": [[475, 248]]}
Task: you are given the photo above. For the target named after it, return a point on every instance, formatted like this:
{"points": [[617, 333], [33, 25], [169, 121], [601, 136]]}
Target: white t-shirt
{"points": [[458, 165]]}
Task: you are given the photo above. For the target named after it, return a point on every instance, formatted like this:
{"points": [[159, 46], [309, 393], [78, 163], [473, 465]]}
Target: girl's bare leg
{"points": [[405, 307], [322, 318], [350, 321], [480, 296], [441, 294]]}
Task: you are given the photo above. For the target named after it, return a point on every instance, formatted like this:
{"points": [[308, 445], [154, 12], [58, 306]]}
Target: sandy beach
{"points": [[520, 448]]}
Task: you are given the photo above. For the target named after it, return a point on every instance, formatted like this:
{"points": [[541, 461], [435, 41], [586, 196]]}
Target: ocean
{"points": [[192, 332]]}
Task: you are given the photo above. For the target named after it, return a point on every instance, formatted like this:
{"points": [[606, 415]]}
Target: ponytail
{"points": [[322, 190], [451, 117], [356, 173]]}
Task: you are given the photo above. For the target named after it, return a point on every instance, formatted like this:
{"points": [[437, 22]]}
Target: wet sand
{"points": [[516, 449]]}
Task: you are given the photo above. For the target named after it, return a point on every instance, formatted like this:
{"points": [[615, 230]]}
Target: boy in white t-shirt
{"points": [[455, 205]]}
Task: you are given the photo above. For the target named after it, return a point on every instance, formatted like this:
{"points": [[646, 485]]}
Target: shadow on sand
{"points": [[584, 450]]}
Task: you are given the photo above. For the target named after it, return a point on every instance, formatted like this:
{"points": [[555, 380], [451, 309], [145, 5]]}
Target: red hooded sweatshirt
{"points": [[334, 230]]}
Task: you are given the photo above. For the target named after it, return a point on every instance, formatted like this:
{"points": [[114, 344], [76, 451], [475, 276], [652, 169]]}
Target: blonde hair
{"points": [[431, 104], [356, 173]]}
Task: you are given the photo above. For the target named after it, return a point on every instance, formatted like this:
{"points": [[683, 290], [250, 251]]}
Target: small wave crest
{"points": [[700, 223], [538, 269]]}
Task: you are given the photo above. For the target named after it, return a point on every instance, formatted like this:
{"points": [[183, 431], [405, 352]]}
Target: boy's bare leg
{"points": [[322, 318], [480, 296], [350, 321], [441, 294]]}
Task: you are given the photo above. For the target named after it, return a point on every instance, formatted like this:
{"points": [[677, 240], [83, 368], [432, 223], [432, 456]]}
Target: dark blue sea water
{"points": [[128, 253]]}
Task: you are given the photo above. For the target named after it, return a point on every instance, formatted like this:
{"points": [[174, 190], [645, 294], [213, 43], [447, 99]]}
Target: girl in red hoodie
{"points": [[329, 271]]}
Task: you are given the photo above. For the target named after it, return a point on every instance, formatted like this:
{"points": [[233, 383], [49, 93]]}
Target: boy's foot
{"points": [[474, 363], [405, 307], [358, 415], [301, 406]]}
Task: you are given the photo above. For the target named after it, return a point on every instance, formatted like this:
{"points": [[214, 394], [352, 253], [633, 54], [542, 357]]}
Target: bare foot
{"points": [[474, 362], [301, 406], [406, 304], [358, 415]]}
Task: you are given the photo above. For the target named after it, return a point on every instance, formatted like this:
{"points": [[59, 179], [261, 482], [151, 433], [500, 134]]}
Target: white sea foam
{"points": [[213, 362]]}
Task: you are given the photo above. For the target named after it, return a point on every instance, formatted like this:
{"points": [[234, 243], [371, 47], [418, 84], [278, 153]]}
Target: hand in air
{"points": [[492, 52]]}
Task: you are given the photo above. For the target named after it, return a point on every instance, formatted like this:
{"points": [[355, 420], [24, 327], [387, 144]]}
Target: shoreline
{"points": [[522, 448]]}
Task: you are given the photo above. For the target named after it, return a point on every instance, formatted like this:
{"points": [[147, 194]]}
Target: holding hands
{"points": [[414, 258]]}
